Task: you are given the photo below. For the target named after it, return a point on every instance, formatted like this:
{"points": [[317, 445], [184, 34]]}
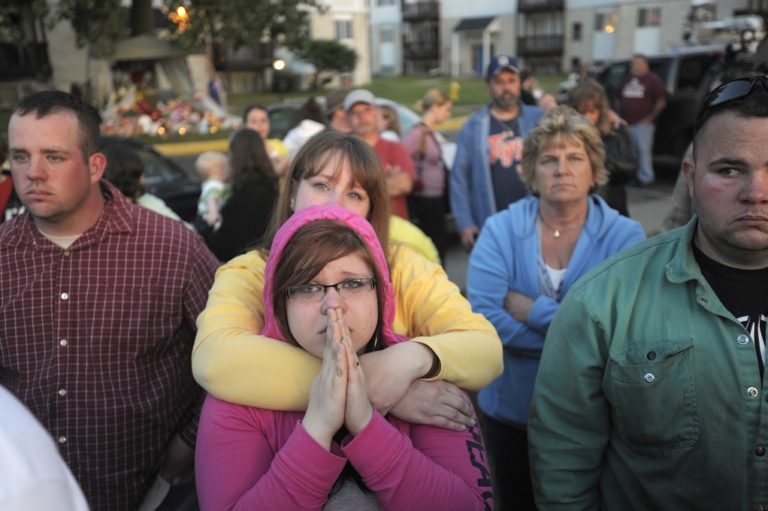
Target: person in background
{"points": [[334, 110], [389, 129], [213, 169], [308, 122], [547, 102], [589, 99], [125, 170], [682, 208], [246, 214], [363, 113], [6, 185], [99, 303], [33, 477], [485, 177], [235, 362], [527, 89], [256, 118], [327, 292], [642, 98], [650, 393], [523, 265], [427, 201]]}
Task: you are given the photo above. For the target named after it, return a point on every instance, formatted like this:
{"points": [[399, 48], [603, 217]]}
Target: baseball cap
{"points": [[359, 96], [500, 63]]}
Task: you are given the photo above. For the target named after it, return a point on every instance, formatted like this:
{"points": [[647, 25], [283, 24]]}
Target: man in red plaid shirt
{"points": [[97, 311]]}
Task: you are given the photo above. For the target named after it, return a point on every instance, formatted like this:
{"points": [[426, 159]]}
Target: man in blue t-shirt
{"points": [[486, 176]]}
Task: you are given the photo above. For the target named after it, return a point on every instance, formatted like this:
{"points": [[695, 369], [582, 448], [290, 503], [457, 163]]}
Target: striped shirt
{"points": [[96, 340]]}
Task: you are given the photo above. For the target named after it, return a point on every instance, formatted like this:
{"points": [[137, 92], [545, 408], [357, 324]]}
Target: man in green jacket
{"points": [[650, 390]]}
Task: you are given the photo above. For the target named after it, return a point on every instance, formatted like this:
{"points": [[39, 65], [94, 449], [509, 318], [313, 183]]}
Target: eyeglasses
{"points": [[727, 92], [348, 289]]}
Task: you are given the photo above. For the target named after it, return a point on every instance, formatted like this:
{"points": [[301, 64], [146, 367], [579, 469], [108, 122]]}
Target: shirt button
{"points": [[743, 339], [752, 392], [760, 450], [649, 377], [62, 392], [63, 342], [62, 439], [65, 296], [66, 253]]}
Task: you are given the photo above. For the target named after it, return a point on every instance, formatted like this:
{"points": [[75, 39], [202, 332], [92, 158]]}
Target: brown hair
{"points": [[563, 122], [590, 91], [312, 247], [366, 170]]}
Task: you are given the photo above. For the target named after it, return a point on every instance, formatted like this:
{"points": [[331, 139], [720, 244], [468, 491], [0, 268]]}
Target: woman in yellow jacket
{"points": [[451, 346]]}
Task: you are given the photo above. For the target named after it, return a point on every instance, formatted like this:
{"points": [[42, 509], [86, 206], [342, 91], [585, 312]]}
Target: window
{"points": [[343, 29], [649, 17], [385, 2], [577, 31], [387, 35], [605, 22]]}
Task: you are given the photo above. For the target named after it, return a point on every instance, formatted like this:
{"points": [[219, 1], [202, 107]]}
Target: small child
{"points": [[213, 167]]}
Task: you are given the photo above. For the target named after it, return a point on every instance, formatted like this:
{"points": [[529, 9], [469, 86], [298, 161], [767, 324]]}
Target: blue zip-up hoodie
{"points": [[472, 198], [505, 259]]}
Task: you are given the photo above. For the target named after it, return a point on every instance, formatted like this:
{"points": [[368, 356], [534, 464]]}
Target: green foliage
{"points": [[329, 55], [238, 23], [98, 23]]}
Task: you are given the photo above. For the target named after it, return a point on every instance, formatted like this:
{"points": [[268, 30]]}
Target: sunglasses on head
{"points": [[727, 92]]}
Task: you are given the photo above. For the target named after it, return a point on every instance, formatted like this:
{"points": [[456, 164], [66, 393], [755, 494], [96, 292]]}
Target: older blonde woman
{"points": [[524, 262]]}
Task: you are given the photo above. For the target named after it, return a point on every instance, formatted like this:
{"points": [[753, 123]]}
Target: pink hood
{"points": [[358, 224]]}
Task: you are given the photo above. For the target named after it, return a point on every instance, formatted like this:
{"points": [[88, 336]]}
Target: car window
{"points": [[613, 74], [159, 171]]}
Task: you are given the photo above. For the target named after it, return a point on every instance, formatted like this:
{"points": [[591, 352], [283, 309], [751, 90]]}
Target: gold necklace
{"points": [[557, 231]]}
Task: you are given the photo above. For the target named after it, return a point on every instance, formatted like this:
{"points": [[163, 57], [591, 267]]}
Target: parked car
{"points": [[688, 74], [166, 179]]}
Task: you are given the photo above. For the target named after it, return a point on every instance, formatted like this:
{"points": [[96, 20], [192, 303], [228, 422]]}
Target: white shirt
{"points": [[33, 476]]}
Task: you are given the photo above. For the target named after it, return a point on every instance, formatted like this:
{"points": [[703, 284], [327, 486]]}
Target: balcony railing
{"points": [[540, 5], [537, 45], [21, 61], [416, 11], [420, 52]]}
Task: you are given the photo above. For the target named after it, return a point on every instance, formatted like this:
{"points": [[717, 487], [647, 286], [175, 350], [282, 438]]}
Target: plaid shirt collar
{"points": [[115, 219]]}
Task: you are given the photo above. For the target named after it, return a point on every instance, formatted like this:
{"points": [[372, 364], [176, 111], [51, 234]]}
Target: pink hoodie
{"points": [[252, 459]]}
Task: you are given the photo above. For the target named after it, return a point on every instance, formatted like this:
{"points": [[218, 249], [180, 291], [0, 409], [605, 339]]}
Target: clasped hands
{"points": [[338, 396]]}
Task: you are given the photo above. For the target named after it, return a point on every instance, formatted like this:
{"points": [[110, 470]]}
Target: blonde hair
{"points": [[391, 121], [210, 161], [431, 98], [563, 122]]}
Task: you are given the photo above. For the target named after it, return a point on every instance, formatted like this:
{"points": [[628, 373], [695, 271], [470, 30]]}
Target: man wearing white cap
{"points": [[485, 175], [363, 114]]}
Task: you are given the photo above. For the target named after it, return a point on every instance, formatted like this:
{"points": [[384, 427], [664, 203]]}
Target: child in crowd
{"points": [[213, 167], [327, 290]]}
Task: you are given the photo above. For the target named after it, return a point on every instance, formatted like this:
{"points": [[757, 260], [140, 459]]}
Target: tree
{"points": [[329, 55], [236, 23]]}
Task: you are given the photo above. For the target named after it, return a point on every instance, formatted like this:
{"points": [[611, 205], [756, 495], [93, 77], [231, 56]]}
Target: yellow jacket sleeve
{"points": [[431, 310], [232, 362]]}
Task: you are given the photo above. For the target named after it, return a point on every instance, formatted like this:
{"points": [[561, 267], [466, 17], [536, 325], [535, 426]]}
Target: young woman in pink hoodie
{"points": [[327, 290]]}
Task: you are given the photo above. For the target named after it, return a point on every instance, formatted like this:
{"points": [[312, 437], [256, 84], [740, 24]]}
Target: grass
{"points": [[407, 90]]}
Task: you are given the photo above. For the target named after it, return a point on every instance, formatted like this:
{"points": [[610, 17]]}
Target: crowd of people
{"points": [[300, 346]]}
